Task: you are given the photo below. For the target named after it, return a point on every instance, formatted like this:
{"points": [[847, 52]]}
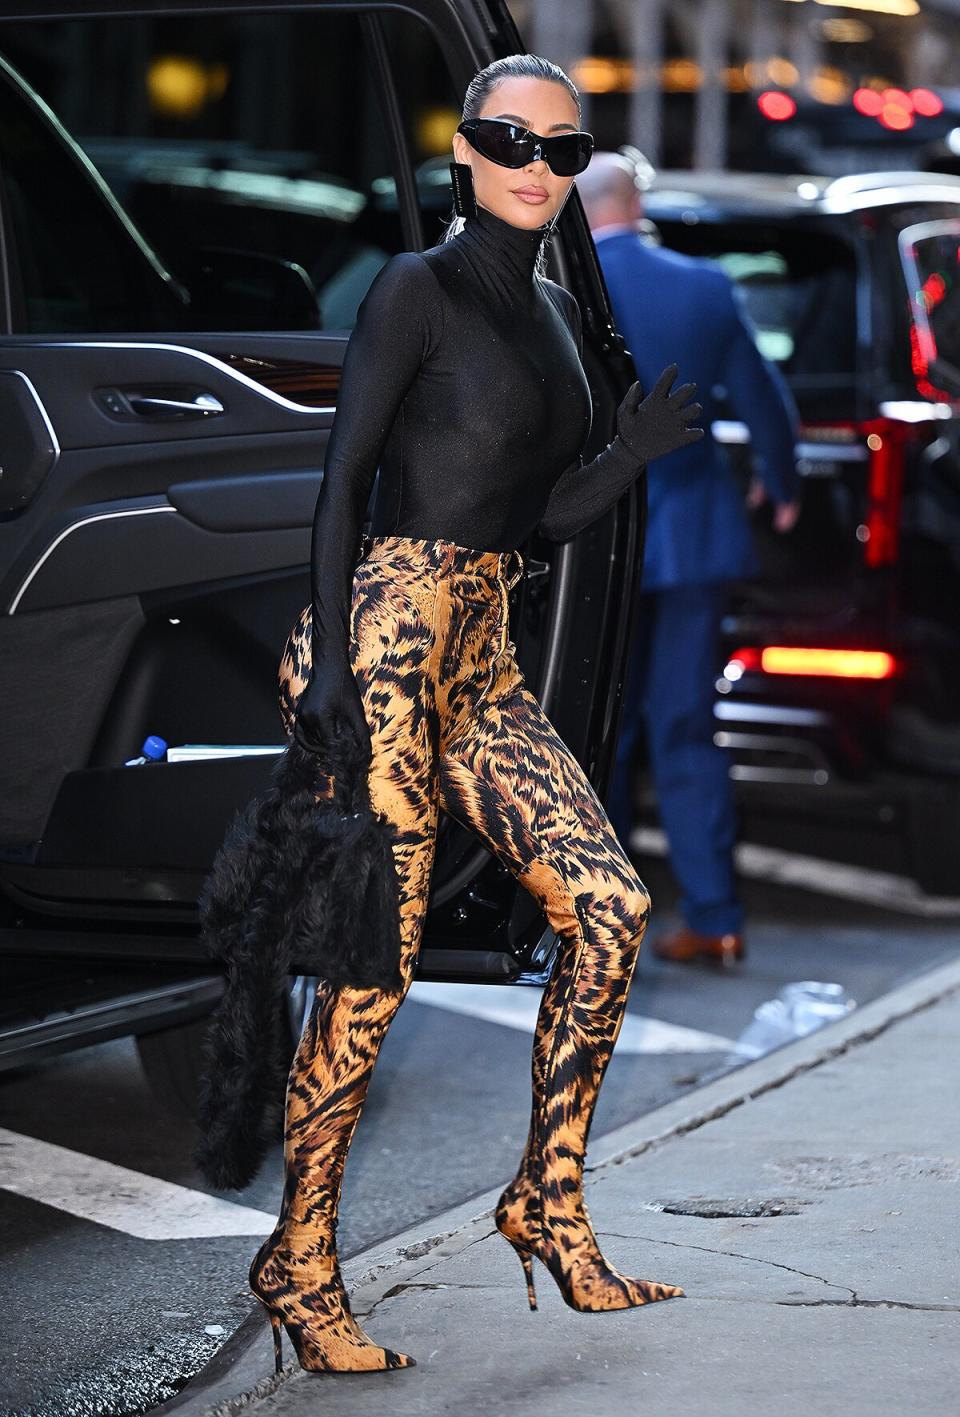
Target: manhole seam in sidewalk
{"points": [[704, 1208]]}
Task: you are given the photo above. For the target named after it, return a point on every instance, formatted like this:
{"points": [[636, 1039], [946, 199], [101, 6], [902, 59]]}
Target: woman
{"points": [[463, 381]]}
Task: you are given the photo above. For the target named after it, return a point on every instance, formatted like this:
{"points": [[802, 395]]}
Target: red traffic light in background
{"points": [[926, 102], [897, 109], [776, 105], [868, 102]]}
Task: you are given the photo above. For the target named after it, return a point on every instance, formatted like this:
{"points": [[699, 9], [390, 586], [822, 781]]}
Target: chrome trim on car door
{"points": [[202, 356], [61, 537]]}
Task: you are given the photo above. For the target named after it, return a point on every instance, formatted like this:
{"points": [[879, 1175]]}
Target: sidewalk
{"points": [[809, 1204]]}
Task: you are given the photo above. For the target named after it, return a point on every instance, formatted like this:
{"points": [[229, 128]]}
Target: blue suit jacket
{"points": [[674, 309]]}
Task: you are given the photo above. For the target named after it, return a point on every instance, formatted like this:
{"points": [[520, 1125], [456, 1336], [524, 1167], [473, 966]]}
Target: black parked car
{"points": [[170, 347], [841, 695]]}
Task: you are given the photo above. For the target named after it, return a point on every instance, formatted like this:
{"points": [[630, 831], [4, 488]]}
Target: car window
{"points": [[930, 252], [430, 111], [249, 158], [107, 280], [798, 288]]}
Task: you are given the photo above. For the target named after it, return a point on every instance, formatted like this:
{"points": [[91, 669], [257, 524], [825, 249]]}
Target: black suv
{"points": [[192, 204], [841, 694]]}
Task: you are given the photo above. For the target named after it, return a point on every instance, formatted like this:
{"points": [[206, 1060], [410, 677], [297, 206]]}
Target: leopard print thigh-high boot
{"points": [[296, 1272], [542, 1212]]}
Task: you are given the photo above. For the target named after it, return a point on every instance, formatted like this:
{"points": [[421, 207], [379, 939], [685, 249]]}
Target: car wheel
{"points": [[172, 1058]]}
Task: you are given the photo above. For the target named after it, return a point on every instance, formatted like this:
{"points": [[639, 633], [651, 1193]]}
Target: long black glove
{"points": [[646, 429], [398, 321], [659, 423], [331, 707]]}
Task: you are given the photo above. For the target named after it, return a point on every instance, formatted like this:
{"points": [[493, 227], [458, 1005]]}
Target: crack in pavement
{"points": [[857, 1303], [854, 1301], [365, 1311], [735, 1255], [438, 1284]]}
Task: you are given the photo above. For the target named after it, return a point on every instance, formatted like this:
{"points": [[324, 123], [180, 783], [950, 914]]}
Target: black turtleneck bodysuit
{"points": [[463, 382]]}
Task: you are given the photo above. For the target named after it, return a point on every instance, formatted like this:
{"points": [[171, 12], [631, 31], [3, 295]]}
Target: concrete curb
{"points": [[372, 1275], [715, 1099], [215, 1377]]}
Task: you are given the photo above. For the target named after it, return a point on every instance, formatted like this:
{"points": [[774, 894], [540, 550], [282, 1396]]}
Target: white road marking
{"points": [[516, 1005], [812, 873], [124, 1200]]}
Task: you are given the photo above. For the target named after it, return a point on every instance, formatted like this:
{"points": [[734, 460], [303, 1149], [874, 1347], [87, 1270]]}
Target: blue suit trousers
{"points": [[669, 691]]}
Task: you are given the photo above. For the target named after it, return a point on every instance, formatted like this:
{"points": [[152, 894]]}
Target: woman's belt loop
{"points": [[447, 557]]}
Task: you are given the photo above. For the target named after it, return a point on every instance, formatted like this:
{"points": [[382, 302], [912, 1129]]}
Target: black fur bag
{"points": [[299, 886]]}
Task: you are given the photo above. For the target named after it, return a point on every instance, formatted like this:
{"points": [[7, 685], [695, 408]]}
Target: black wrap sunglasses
{"points": [[510, 145]]}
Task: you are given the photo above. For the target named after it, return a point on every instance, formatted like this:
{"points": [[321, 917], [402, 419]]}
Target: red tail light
{"points": [[802, 659], [886, 444], [887, 440]]}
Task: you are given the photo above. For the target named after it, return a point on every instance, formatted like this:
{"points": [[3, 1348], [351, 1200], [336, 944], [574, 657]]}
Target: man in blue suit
{"points": [[672, 308]]}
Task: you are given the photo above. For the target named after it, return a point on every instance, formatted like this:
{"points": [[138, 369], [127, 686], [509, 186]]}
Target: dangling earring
{"points": [[464, 196], [549, 226]]}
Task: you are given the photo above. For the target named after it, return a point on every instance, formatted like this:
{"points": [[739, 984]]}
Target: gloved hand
{"points": [[330, 707], [661, 422]]}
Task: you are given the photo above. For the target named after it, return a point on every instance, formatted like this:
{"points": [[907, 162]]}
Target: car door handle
{"points": [[202, 406]]}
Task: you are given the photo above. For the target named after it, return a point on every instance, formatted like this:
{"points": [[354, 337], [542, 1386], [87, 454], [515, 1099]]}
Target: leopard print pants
{"points": [[454, 727]]}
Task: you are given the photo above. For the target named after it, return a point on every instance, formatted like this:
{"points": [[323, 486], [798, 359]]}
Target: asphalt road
{"points": [[98, 1319]]}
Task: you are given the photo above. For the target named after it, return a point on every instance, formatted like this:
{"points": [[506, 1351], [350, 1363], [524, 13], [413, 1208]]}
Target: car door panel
{"points": [[30, 449], [130, 549], [75, 514], [92, 577], [69, 376], [119, 842], [270, 501]]}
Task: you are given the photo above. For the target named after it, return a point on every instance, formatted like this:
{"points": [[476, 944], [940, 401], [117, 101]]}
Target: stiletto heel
{"points": [[326, 1338], [526, 1259], [585, 1280], [275, 1324]]}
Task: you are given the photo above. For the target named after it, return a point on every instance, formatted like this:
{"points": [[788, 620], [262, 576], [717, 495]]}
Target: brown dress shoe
{"points": [[685, 945]]}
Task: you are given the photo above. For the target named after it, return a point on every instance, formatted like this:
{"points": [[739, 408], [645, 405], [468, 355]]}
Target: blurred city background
{"points": [[774, 85], [227, 182]]}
